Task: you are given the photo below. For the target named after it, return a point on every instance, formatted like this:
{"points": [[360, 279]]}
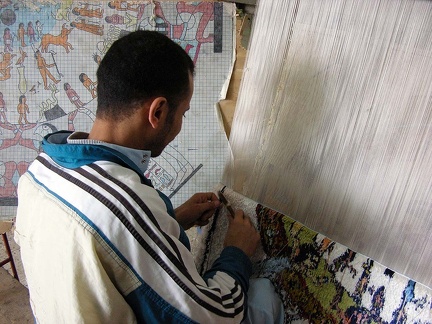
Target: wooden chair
{"points": [[4, 227]]}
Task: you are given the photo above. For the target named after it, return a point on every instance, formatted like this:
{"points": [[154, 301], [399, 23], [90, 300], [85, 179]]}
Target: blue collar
{"points": [[79, 150], [140, 157]]}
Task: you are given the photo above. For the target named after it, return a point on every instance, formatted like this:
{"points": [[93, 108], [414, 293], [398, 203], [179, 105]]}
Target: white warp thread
{"points": [[333, 124]]}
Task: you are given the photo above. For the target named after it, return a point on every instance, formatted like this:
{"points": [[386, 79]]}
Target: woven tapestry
{"points": [[319, 280]]}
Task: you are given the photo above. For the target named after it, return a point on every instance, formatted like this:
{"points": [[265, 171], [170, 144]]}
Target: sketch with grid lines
{"points": [[49, 54]]}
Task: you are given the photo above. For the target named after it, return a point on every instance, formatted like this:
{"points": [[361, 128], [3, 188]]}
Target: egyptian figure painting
{"points": [[49, 54]]}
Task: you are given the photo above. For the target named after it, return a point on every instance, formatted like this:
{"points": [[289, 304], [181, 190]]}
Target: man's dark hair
{"points": [[137, 67]]}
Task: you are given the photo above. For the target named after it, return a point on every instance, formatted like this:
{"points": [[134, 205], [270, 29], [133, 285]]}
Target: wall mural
{"points": [[49, 54]]}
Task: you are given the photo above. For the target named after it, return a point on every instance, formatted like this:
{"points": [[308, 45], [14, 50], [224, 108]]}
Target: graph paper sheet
{"points": [[49, 55]]}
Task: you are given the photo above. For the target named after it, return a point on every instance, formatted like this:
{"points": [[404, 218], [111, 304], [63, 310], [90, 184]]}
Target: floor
{"points": [[14, 296]]}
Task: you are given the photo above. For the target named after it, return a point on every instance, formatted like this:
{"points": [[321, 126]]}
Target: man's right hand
{"points": [[242, 233]]}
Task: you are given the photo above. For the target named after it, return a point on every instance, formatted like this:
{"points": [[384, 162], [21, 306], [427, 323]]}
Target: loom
{"points": [[331, 139], [335, 113]]}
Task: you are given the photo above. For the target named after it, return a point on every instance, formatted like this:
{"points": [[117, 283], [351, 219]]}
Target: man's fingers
{"points": [[206, 196], [207, 207]]}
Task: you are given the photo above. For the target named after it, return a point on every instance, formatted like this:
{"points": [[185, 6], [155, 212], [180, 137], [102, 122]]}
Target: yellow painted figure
{"points": [[23, 110]]}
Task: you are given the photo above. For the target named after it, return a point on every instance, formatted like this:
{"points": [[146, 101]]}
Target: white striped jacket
{"points": [[98, 245]]}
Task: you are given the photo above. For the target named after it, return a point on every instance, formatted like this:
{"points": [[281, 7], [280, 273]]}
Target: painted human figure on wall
{"points": [[115, 19], [21, 33], [190, 25], [44, 69], [23, 110], [121, 5], [5, 65], [3, 109], [7, 40], [73, 96], [31, 32], [90, 28], [89, 84], [87, 12], [39, 28], [97, 58]]}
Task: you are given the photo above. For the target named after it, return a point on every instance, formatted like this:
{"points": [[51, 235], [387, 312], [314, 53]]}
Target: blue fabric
{"points": [[76, 155], [264, 304], [229, 262], [149, 307]]}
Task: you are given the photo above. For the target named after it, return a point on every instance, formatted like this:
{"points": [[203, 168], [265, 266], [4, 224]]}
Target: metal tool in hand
{"points": [[226, 203]]}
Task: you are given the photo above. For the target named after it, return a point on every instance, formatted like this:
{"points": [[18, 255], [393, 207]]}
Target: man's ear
{"points": [[158, 111]]}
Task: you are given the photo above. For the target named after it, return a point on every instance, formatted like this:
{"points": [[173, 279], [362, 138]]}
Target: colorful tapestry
{"points": [[319, 280]]}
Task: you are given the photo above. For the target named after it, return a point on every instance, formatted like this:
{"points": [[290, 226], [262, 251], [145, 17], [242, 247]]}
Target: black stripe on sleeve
{"points": [[123, 219]]}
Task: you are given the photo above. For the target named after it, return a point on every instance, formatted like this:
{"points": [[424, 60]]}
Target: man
{"points": [[98, 243]]}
